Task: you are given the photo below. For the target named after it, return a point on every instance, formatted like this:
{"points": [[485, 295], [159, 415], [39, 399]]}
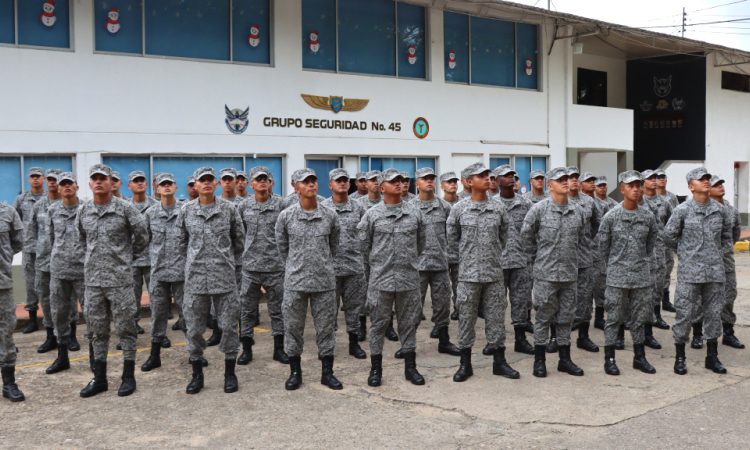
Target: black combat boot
{"points": [[697, 342], [354, 349], [399, 354], [488, 350], [139, 330], [454, 315], [465, 371], [32, 326], [620, 341], [128, 379], [10, 388], [540, 358], [326, 377], [278, 350], [566, 364], [529, 325], [712, 357], [61, 363], [584, 342], [362, 329], [728, 338], [659, 323], [176, 326], [410, 369], [196, 383], [165, 342], [247, 351], [552, 346], [210, 321], [639, 359], [91, 356], [390, 333], [680, 368], [73, 344], [445, 345], [295, 373], [230, 379], [99, 383], [154, 359], [215, 338], [650, 341], [610, 366], [501, 367], [376, 370], [434, 333], [666, 305], [522, 345], [599, 317], [50, 343]]}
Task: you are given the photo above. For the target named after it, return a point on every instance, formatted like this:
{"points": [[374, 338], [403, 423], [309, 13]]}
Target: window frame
{"points": [[427, 50], [512, 158], [24, 175], [143, 54], [71, 32], [721, 81]]}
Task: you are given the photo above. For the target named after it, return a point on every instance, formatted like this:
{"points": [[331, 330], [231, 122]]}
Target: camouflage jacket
{"points": [[662, 211], [24, 206], [367, 203], [260, 252], [435, 214], [626, 239], [349, 259], [535, 198], [142, 259], [515, 253], [68, 252], [37, 233], [733, 215], [11, 242], [167, 248], [293, 199], [587, 248]]}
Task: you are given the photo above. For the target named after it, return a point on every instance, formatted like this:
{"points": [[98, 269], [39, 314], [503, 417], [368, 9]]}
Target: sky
{"points": [[667, 15]]}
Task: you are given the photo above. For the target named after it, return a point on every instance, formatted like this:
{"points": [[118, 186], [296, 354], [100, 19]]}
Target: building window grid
{"points": [[23, 163], [15, 44]]}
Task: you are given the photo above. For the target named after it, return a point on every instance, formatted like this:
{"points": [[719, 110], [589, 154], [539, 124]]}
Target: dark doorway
{"points": [[592, 87]]}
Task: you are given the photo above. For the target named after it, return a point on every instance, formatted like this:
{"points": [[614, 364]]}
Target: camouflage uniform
{"points": [[24, 206], [463, 195], [111, 234], [730, 273], [141, 262], [308, 241], [600, 282], [351, 285], [368, 203], [586, 251], [452, 251], [11, 242], [535, 198], [213, 234], [36, 235], [662, 211], [626, 239], [293, 199]]}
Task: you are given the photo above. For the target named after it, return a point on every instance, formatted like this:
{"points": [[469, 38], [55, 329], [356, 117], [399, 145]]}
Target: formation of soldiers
{"points": [[373, 254]]}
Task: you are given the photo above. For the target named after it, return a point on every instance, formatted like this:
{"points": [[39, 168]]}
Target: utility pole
{"points": [[684, 19]]}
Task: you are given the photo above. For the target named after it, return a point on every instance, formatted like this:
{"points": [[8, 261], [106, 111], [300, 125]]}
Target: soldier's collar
{"points": [[310, 215]]}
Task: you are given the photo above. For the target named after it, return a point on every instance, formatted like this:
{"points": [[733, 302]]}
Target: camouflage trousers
{"points": [[160, 297], [64, 298], [658, 272], [518, 290], [364, 312], [7, 325], [323, 308], [41, 285], [492, 294], [139, 275], [692, 299], [103, 305], [250, 294], [29, 277], [668, 267], [554, 302], [351, 292], [627, 305], [600, 283], [238, 279], [730, 295], [195, 308], [585, 293], [408, 314], [453, 269], [439, 282]]}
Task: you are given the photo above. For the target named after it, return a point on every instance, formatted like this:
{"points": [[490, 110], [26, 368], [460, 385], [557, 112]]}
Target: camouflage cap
{"points": [[163, 176], [102, 169], [586, 176], [295, 175], [116, 175], [570, 170], [361, 175], [601, 180], [270, 177], [646, 174], [66, 176], [447, 176], [136, 174], [228, 172], [388, 175], [405, 175], [536, 174], [716, 179], [474, 169], [424, 172], [555, 174], [191, 179], [660, 172], [503, 170], [36, 171], [53, 173], [629, 176], [243, 174], [156, 176], [258, 171], [697, 174], [339, 173], [304, 174], [204, 171], [372, 174]]}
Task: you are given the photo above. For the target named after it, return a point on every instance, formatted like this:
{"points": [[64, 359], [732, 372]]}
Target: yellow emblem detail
{"points": [[349, 104]]}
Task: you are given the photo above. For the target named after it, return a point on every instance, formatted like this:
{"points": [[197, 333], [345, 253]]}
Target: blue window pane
{"points": [[321, 168], [10, 182], [129, 36], [246, 14], [411, 31], [367, 37], [183, 167], [527, 50], [64, 163], [401, 164], [7, 22], [456, 40], [31, 30], [319, 17], [523, 169], [274, 165], [364, 165], [125, 165], [426, 162], [492, 45], [497, 162], [376, 164], [188, 28]]}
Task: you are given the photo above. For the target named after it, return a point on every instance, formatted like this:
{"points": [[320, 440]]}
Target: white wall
{"points": [[676, 172], [600, 163], [616, 76], [594, 127]]}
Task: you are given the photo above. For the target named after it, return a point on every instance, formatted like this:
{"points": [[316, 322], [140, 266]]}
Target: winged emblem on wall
{"points": [[335, 103]]}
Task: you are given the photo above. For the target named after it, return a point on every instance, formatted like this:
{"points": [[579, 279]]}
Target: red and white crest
{"points": [[254, 39], [48, 14], [452, 59], [412, 56], [528, 66], [314, 45], [113, 24]]}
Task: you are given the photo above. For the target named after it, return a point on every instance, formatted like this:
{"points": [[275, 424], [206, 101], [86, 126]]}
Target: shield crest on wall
{"points": [[336, 103]]}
